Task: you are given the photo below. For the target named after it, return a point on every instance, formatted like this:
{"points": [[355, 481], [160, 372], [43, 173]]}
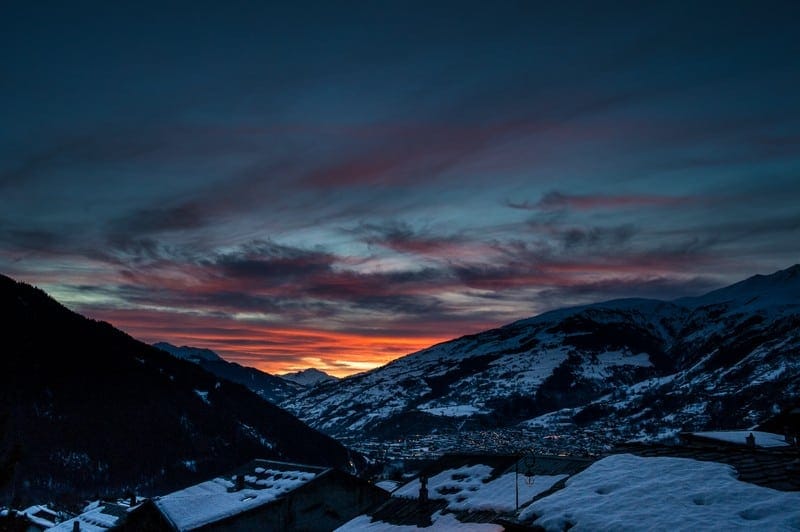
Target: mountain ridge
{"points": [[70, 425], [269, 387], [666, 356]]}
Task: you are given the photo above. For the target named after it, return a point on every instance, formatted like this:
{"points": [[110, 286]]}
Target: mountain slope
{"points": [[91, 410], [273, 389], [625, 368]]}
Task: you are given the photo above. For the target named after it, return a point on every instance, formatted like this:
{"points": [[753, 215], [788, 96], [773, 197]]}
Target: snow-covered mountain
{"points": [[619, 369], [308, 377], [273, 389]]}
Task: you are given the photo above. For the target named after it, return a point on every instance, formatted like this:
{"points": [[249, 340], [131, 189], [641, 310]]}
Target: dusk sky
{"points": [[336, 184]]}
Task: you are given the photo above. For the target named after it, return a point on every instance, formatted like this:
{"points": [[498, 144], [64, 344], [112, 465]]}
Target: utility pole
{"points": [[516, 482]]}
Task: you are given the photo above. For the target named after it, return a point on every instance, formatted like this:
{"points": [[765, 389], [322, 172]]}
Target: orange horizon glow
{"points": [[274, 350], [344, 354]]}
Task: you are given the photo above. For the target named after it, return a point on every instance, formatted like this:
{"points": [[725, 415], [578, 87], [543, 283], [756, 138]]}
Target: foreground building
{"points": [[475, 492], [263, 495], [98, 516], [724, 480]]}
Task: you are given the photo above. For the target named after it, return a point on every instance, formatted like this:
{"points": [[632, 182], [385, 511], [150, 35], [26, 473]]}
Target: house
{"points": [[262, 495], [479, 491], [98, 516], [747, 438], [722, 480], [40, 517], [655, 490], [768, 461]]}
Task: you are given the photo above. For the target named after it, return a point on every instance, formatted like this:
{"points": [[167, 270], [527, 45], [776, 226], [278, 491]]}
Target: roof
{"points": [[739, 437], [628, 492], [265, 481], [98, 517], [777, 468], [405, 511], [476, 488], [545, 464], [41, 515]]}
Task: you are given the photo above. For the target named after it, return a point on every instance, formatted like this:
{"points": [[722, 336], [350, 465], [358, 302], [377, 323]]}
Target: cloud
{"points": [[262, 261], [403, 238], [144, 144], [160, 219], [556, 200]]}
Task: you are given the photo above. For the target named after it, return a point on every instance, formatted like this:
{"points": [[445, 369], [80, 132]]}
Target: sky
{"points": [[337, 184]]}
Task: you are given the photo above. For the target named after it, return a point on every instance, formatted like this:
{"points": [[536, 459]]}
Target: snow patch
{"points": [[453, 411], [203, 395]]}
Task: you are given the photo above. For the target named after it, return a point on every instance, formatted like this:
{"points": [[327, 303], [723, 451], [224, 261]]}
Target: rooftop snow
{"points": [[627, 492], [763, 439], [213, 500], [41, 515], [441, 523], [98, 516], [470, 488]]}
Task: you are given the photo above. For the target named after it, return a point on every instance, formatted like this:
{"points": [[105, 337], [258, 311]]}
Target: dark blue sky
{"points": [[335, 184]]}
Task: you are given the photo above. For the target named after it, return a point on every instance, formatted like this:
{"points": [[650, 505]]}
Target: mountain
{"points": [[273, 389], [308, 377], [86, 410], [588, 375], [192, 354]]}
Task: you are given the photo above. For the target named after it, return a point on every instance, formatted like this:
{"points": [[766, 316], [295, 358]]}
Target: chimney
{"points": [[133, 500], [76, 526], [239, 482], [750, 440]]}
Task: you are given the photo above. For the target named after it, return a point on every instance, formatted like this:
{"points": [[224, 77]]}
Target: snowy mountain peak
{"points": [[185, 352], [308, 377], [778, 289]]}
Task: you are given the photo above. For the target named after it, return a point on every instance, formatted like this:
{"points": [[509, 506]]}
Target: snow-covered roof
{"points": [[440, 523], [97, 517], [388, 485], [466, 491], [217, 499], [472, 487], [627, 492], [763, 439], [41, 515]]}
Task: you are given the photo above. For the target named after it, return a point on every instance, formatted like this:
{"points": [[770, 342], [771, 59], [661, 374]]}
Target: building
{"points": [[262, 495], [40, 517], [767, 460], [479, 489], [723, 480], [97, 517]]}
